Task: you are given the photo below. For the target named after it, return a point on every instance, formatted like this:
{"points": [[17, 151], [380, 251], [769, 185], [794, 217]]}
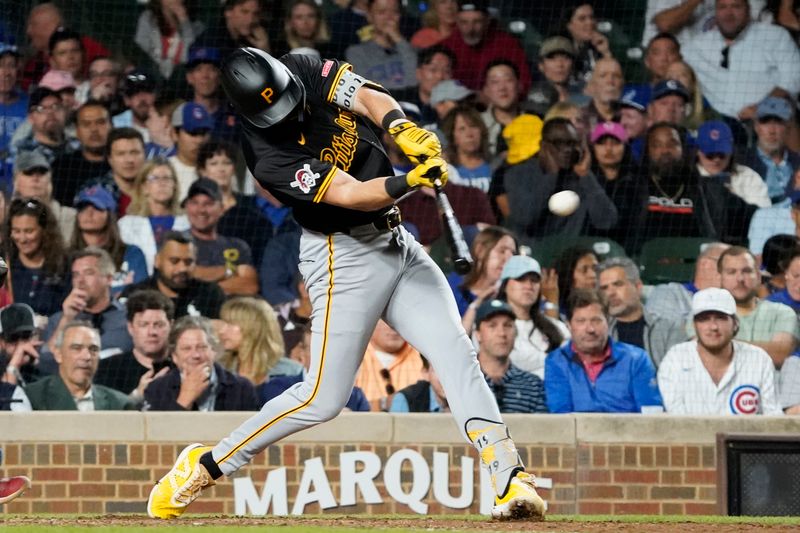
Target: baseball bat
{"points": [[462, 259]]}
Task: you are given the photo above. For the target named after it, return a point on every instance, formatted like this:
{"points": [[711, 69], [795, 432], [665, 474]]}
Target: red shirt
{"points": [[472, 60], [593, 364], [39, 64], [470, 205]]}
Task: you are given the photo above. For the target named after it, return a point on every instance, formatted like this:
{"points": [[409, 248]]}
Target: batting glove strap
{"points": [[417, 143]]}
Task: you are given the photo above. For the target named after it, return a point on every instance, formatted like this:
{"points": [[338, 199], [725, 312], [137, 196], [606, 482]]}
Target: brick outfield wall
{"points": [[589, 479], [598, 464]]}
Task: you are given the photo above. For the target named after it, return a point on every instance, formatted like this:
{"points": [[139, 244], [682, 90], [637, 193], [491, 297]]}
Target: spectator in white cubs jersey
{"points": [[716, 375]]}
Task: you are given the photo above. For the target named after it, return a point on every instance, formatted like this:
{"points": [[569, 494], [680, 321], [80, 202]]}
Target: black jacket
{"points": [[720, 214], [234, 393]]}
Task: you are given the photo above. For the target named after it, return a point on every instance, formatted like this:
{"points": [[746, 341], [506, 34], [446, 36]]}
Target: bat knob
{"points": [[462, 266]]}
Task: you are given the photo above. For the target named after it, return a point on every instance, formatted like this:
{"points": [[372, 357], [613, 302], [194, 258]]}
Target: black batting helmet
{"points": [[261, 88]]}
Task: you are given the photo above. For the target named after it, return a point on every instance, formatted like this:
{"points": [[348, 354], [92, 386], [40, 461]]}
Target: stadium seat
{"points": [[669, 259], [548, 249]]}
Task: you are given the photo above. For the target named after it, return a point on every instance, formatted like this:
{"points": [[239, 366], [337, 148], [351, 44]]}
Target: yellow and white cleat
{"points": [[173, 493], [521, 501]]}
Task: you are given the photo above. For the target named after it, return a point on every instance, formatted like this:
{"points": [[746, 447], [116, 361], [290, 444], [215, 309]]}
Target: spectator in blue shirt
{"points": [[594, 373], [13, 106], [790, 295], [515, 390]]}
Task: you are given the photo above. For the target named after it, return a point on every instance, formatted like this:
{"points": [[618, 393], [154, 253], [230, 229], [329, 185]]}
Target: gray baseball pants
{"points": [[353, 280]]}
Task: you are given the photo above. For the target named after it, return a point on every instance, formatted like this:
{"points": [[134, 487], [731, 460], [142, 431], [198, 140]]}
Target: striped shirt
{"points": [[519, 392], [748, 386]]}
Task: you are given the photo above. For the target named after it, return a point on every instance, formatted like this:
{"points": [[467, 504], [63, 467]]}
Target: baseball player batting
{"points": [[311, 140]]}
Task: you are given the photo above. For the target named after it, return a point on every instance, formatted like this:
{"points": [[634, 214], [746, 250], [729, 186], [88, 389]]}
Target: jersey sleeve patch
{"points": [[305, 179]]}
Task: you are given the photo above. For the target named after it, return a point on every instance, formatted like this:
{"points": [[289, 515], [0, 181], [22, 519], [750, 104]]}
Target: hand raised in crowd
{"points": [[25, 352], [146, 378], [74, 304], [177, 8], [584, 164], [600, 42], [550, 285], [194, 383], [258, 37]]}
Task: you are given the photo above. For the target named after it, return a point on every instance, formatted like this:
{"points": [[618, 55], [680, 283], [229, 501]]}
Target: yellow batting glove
{"points": [[424, 174], [417, 143]]}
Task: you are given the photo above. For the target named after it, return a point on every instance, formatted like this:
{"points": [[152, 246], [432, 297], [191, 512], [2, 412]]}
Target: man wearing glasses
{"points": [[48, 117]]}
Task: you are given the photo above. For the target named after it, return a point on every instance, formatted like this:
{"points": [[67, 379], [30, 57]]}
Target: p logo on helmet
{"points": [[266, 94]]}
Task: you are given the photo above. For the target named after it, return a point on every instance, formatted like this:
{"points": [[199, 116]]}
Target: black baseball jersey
{"points": [[296, 160]]}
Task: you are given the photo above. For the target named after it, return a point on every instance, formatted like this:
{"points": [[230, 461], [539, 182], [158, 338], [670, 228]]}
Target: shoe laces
{"points": [[192, 486], [527, 478]]}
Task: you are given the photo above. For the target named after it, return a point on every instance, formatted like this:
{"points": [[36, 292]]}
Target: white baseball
{"points": [[564, 203]]}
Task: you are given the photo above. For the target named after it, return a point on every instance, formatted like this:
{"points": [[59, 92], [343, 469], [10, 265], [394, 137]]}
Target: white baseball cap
{"points": [[713, 299]]}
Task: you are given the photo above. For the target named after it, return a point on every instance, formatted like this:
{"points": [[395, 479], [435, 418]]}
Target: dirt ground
{"points": [[429, 524]]}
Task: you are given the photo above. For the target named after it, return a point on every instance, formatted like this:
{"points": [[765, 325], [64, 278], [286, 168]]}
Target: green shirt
{"points": [[767, 319]]}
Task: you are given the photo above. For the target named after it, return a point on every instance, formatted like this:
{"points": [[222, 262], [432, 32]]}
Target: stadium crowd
{"points": [[147, 270]]}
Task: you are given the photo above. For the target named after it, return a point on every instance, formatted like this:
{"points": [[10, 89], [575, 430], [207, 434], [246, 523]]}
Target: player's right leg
{"points": [[348, 291], [423, 311]]}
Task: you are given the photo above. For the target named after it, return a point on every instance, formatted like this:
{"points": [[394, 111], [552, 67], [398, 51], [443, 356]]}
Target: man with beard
{"points": [[139, 97], [557, 167], [92, 126], [90, 300], [174, 278], [48, 118], [769, 325], [594, 373], [478, 40], [770, 157], [716, 375], [674, 202], [743, 61], [620, 286], [150, 315]]}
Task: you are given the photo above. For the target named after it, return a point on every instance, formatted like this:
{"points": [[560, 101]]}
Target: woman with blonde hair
{"points": [[305, 29], [438, 23], [154, 209], [253, 342], [698, 110]]}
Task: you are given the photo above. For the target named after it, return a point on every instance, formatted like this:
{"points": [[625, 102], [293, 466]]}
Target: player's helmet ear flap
{"points": [[261, 88]]}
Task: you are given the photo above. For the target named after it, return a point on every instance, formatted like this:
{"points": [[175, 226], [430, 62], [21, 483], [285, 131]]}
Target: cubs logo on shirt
{"points": [[745, 400], [305, 179]]}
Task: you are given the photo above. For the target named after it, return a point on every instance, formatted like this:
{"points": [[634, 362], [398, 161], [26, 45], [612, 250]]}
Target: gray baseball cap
{"points": [[556, 45], [773, 106], [26, 161], [449, 90]]}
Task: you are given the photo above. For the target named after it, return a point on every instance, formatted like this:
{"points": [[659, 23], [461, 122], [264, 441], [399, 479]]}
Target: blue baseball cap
{"points": [[98, 197], [772, 106], [519, 265], [715, 137], [203, 54], [636, 98], [668, 87], [191, 117]]}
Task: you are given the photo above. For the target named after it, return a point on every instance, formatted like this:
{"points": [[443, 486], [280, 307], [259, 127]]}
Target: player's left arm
{"points": [[383, 110]]}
